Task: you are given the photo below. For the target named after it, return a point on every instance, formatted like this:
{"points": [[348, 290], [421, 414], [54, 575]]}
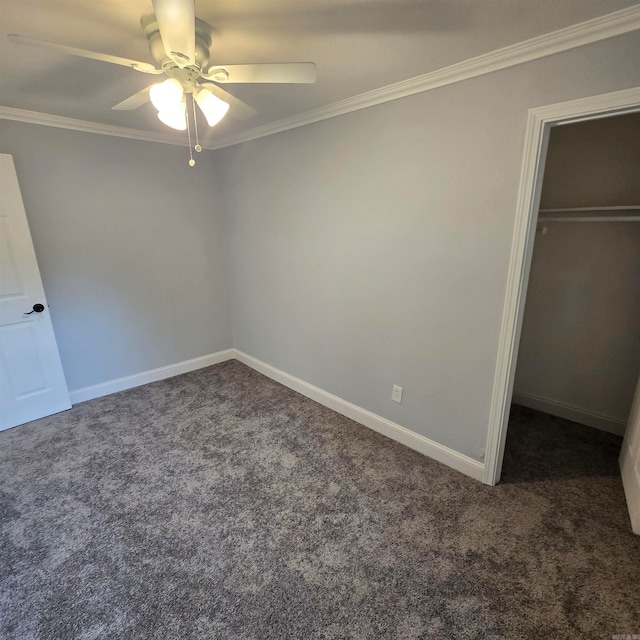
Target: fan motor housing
{"points": [[202, 49]]}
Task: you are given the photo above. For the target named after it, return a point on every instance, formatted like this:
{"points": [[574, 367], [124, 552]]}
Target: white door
{"points": [[32, 383], [630, 462]]}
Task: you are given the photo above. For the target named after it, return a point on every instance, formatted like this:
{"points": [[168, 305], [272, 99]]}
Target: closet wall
{"points": [[579, 353]]}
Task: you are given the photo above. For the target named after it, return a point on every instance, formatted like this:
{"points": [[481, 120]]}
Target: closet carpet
{"points": [[220, 504]]}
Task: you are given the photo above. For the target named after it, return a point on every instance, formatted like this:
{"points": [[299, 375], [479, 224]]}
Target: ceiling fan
{"points": [[180, 43]]}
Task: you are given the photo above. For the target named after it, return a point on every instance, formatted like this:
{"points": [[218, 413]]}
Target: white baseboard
{"points": [[431, 449], [582, 416], [137, 379], [434, 450]]}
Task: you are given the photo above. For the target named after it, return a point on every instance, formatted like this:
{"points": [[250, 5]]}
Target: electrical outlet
{"points": [[396, 394]]}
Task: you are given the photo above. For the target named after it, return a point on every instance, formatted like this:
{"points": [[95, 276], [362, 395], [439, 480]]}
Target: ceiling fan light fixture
{"points": [[211, 106], [167, 96], [176, 118]]}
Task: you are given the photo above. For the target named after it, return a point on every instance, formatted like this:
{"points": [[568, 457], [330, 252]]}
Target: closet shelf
{"points": [[627, 213], [629, 207]]}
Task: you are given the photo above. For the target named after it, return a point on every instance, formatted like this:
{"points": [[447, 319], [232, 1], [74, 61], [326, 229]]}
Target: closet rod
{"points": [[630, 207], [545, 219]]}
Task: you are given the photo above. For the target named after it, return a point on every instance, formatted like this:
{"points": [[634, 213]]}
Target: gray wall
{"points": [[580, 344], [359, 252], [593, 164], [129, 245], [372, 248]]}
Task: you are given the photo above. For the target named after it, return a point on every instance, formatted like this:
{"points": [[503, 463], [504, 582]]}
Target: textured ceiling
{"points": [[357, 45]]}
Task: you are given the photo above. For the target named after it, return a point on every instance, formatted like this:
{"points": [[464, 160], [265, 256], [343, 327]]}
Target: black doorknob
{"points": [[37, 307]]}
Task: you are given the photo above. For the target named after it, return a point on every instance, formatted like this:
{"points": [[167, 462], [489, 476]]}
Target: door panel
{"points": [[630, 463], [32, 383], [9, 285]]}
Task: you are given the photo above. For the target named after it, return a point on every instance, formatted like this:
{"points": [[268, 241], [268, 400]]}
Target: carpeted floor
{"points": [[220, 504]]}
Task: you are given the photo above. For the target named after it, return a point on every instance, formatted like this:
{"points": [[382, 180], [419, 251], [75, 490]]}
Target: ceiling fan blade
{"points": [[134, 101], [237, 109], [144, 67], [177, 26], [286, 72]]}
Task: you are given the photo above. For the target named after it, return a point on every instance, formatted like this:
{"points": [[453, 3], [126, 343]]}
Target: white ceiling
{"points": [[357, 45]]}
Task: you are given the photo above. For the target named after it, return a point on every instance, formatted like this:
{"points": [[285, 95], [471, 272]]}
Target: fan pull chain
{"points": [[192, 162], [198, 148]]}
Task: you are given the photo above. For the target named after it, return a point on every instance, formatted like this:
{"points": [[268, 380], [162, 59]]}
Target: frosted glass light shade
{"points": [[167, 95], [174, 118], [213, 108]]}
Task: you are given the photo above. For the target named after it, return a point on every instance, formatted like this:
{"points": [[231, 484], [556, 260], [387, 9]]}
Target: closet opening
{"points": [[579, 359], [579, 354]]}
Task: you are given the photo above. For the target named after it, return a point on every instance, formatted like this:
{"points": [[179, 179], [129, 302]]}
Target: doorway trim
{"points": [[539, 123]]}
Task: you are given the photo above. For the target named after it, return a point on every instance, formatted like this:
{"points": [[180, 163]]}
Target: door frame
{"points": [[539, 123]]}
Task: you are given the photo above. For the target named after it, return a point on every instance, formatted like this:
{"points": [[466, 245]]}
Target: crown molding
{"points": [[578, 35], [48, 120], [602, 28]]}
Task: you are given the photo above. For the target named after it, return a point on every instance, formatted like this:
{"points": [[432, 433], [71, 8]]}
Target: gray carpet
{"points": [[220, 504]]}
